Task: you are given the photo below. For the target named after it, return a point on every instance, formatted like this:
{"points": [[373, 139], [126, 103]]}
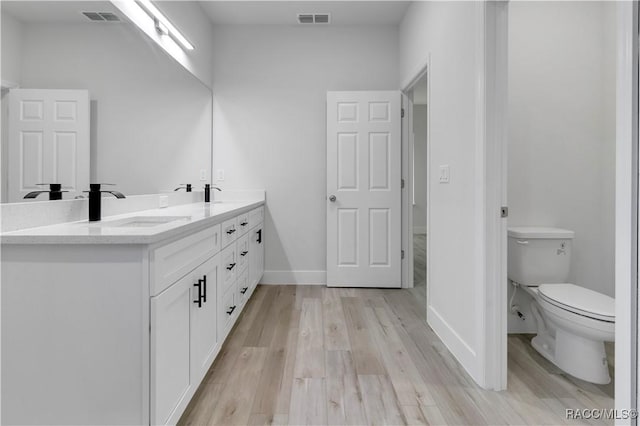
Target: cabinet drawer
{"points": [[244, 224], [227, 311], [171, 262], [243, 287], [256, 216], [228, 267], [229, 231], [243, 252]]}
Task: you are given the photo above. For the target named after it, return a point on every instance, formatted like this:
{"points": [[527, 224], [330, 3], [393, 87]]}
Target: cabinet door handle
{"points": [[231, 266], [230, 311], [244, 223], [244, 290], [259, 236], [204, 293], [244, 253], [231, 231], [199, 299]]}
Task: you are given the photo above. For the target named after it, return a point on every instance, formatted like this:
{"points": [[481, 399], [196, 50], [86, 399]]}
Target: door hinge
{"points": [[402, 254], [401, 183], [504, 211], [401, 112]]}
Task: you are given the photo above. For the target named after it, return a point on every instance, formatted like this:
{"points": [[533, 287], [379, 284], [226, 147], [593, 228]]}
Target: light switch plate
{"points": [[220, 175], [444, 173], [203, 175]]}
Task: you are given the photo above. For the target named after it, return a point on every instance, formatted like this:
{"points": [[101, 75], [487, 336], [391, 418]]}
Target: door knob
{"points": [[332, 198]]}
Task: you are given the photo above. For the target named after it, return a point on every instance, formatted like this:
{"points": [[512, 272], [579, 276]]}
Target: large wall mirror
{"points": [[87, 97]]}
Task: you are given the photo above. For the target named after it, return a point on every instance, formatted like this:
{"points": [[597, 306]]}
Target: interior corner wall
{"points": [[448, 33], [420, 169], [270, 85], [561, 152]]}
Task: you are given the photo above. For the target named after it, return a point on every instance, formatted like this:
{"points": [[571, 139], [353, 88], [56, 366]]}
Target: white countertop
{"points": [[192, 218]]}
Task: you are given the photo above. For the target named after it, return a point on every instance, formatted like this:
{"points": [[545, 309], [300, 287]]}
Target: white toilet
{"points": [[573, 322]]}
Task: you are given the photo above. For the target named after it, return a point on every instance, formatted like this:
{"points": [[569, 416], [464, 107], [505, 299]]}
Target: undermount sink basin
{"points": [[143, 221]]}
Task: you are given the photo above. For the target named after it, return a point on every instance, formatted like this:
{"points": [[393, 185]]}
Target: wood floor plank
{"points": [[261, 322], [200, 410], [344, 397], [404, 376], [239, 392], [308, 402], [380, 402], [365, 354], [284, 393], [266, 399], [310, 352], [335, 325]]}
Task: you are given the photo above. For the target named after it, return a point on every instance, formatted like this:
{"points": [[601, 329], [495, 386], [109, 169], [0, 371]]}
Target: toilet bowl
{"points": [[573, 322], [577, 322]]}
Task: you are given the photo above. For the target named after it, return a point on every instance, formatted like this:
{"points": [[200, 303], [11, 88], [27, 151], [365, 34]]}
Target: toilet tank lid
{"points": [[533, 232]]}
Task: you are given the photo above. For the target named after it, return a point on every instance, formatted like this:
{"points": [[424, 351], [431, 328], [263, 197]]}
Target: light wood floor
{"points": [[315, 355]]}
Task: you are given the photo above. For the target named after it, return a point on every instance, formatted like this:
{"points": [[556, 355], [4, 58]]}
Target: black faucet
{"points": [[207, 192], [186, 186], [55, 191], [95, 197]]}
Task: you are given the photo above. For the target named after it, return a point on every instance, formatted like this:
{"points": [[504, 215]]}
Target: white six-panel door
{"points": [[364, 189], [48, 141]]}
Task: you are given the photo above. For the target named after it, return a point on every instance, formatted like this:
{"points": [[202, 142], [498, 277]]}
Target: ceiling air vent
{"points": [[314, 18], [101, 16]]}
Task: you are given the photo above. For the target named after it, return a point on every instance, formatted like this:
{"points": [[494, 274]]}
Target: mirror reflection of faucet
{"points": [[207, 192], [186, 186], [55, 191], [95, 197]]}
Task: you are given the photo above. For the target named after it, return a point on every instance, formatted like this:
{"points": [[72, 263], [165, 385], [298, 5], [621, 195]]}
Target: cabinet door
{"points": [[170, 332], [203, 317], [256, 257]]}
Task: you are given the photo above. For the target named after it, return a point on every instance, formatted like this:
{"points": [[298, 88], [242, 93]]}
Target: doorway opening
{"points": [[416, 110], [561, 180]]}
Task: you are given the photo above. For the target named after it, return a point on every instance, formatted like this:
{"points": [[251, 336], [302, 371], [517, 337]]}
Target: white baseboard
{"points": [[294, 277], [456, 345], [420, 230]]}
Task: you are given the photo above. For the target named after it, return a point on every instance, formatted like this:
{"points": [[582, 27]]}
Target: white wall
{"points": [[562, 130], [270, 87], [448, 32], [151, 119], [11, 40], [420, 169]]}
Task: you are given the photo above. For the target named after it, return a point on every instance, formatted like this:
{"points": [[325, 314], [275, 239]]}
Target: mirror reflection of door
{"points": [[48, 142]]}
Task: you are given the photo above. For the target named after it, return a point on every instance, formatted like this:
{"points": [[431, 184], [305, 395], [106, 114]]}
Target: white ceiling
{"points": [[55, 11], [285, 12]]}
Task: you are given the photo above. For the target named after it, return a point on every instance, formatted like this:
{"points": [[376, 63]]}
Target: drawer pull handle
{"points": [[244, 223], [230, 311], [259, 240], [231, 266], [244, 253], [199, 299], [204, 292], [231, 231], [244, 290]]}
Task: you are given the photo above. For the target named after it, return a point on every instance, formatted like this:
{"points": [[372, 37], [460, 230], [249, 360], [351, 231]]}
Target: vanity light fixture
{"points": [[163, 26]]}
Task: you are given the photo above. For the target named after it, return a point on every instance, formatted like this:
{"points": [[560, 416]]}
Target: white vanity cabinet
{"points": [[183, 339], [121, 329]]}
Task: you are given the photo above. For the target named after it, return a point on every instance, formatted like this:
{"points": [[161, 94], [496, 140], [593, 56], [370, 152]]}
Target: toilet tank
{"points": [[539, 255]]}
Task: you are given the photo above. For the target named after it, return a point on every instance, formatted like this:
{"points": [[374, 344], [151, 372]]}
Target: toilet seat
{"points": [[579, 300]]}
